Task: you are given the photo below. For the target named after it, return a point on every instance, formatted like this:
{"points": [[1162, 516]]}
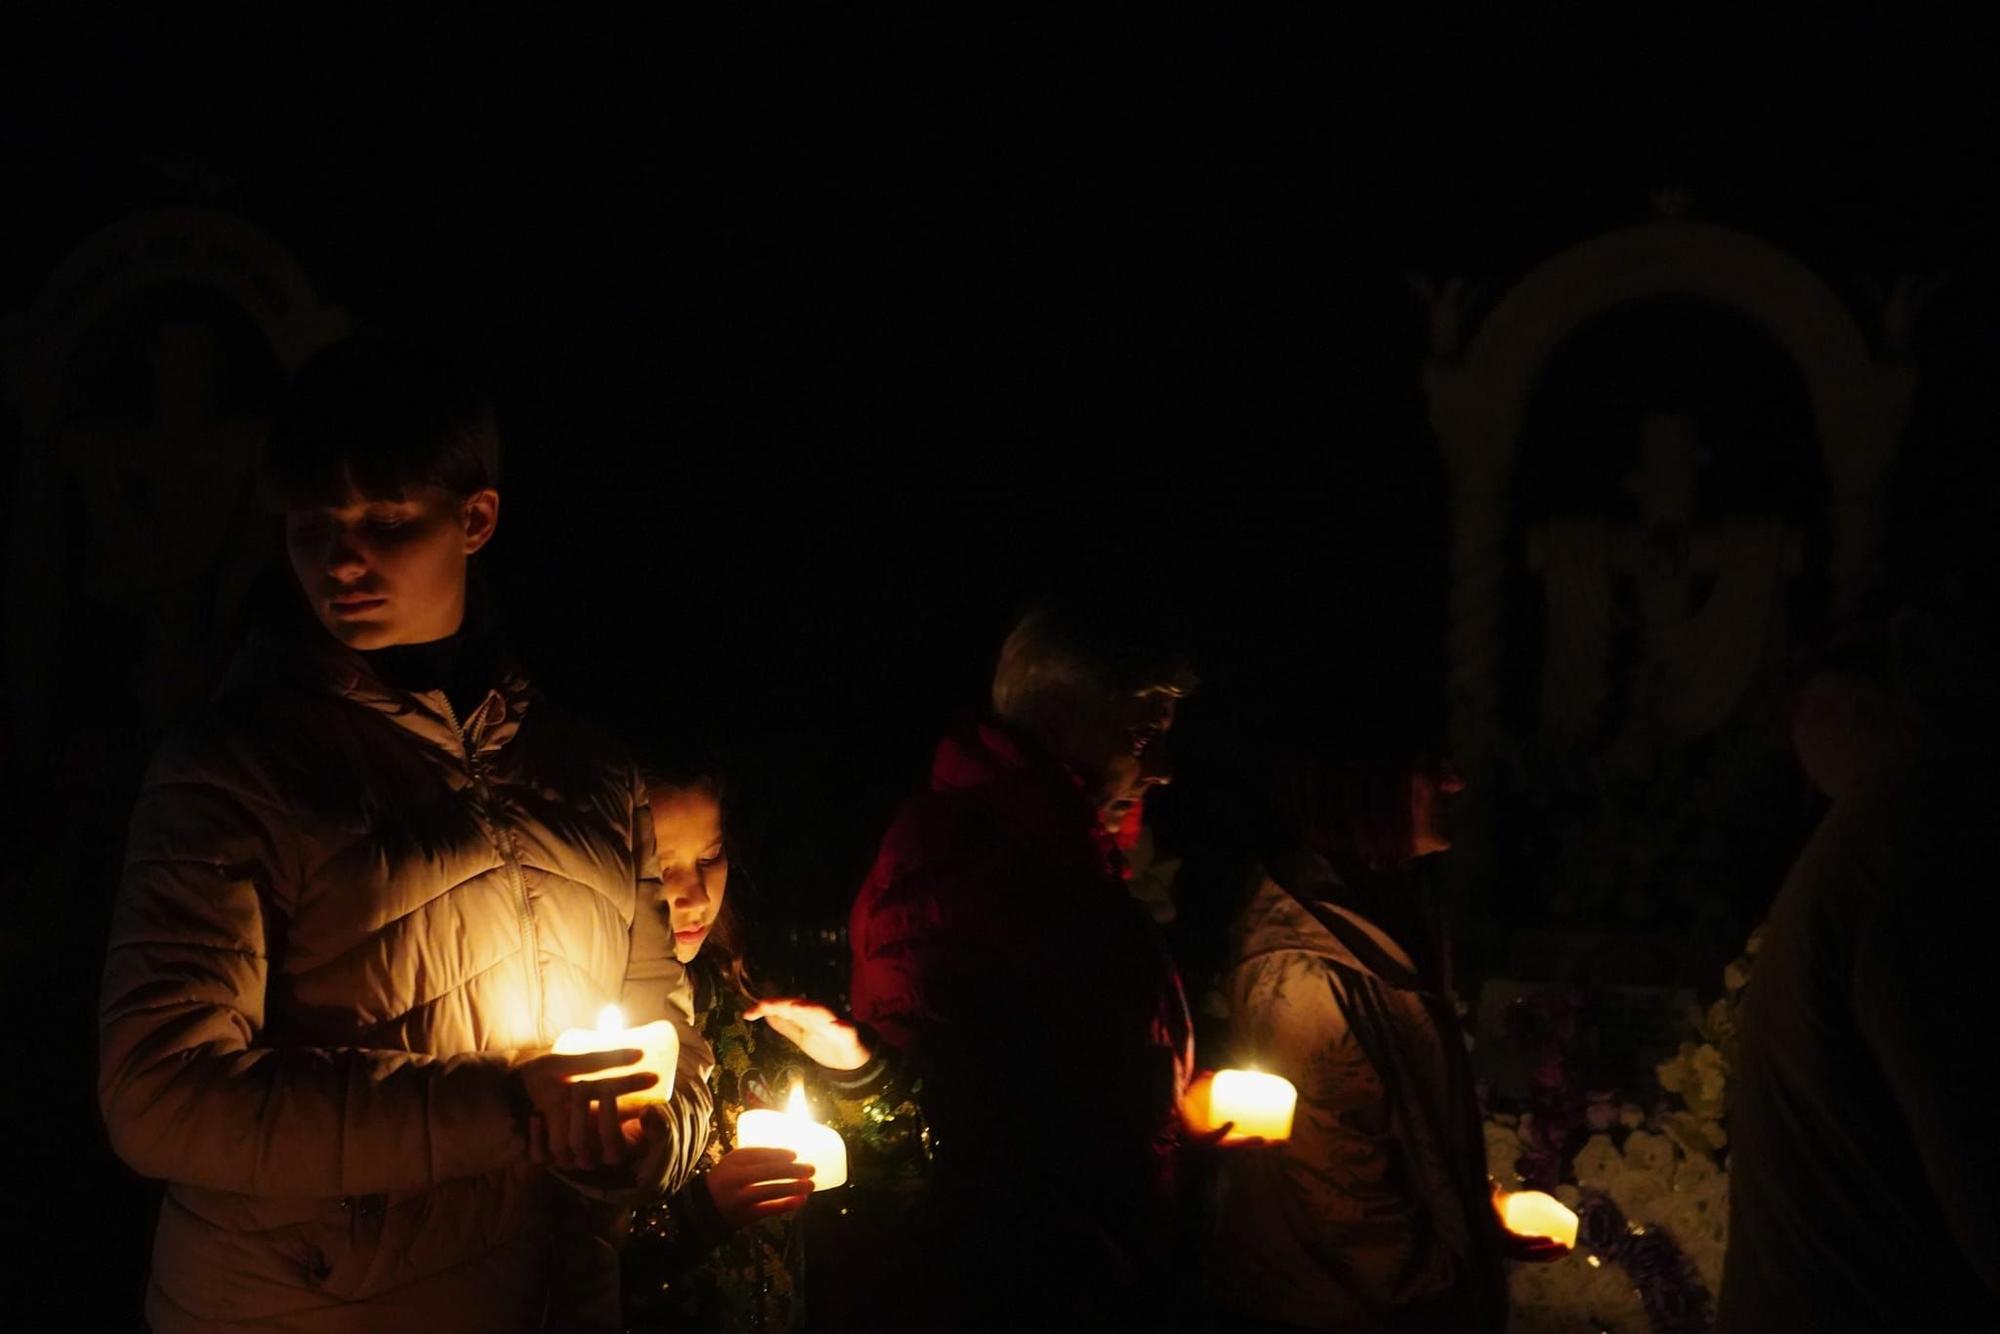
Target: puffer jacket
{"points": [[343, 912]]}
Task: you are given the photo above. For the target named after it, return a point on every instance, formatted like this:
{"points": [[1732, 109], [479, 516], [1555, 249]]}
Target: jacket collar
{"points": [[313, 660], [1303, 916], [1029, 791]]}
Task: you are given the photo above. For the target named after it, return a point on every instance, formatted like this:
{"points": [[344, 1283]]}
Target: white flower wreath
{"points": [[1667, 1169]]}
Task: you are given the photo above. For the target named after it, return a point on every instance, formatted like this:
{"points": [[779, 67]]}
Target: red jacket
{"points": [[996, 945]]}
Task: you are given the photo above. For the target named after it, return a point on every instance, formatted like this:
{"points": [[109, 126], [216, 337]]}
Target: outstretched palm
{"points": [[815, 1030]]}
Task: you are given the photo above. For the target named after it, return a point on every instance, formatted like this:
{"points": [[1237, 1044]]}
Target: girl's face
{"points": [[694, 872]]}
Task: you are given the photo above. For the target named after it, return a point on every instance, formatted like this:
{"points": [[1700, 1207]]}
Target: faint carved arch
{"points": [[154, 250], [1478, 396]]}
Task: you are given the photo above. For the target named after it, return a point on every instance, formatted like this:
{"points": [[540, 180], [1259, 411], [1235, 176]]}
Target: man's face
{"points": [[381, 572], [1138, 758]]}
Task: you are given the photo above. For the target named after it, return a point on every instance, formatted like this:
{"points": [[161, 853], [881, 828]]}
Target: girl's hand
{"points": [[749, 1184], [815, 1030]]}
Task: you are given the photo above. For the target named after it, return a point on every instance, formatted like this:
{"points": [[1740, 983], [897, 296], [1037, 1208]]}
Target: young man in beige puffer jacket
{"points": [[363, 893]]}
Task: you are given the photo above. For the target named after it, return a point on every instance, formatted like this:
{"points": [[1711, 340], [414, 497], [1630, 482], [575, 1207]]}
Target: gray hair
{"points": [[1053, 667]]}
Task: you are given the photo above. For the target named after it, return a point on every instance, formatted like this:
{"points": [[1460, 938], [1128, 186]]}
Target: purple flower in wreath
{"points": [[1669, 1288], [1600, 1226], [1652, 1259], [1672, 1306]]}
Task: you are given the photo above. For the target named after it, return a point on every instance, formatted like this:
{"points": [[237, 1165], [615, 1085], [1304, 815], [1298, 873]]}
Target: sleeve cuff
{"points": [[860, 1083], [701, 1220]]}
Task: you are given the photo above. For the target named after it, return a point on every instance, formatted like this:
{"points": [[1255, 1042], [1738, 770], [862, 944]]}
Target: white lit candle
{"points": [[658, 1045], [1260, 1105], [794, 1129], [1530, 1213]]}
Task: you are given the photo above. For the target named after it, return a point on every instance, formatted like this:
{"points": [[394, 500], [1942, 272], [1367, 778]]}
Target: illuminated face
{"points": [[381, 572], [1139, 759], [1428, 825], [694, 870]]}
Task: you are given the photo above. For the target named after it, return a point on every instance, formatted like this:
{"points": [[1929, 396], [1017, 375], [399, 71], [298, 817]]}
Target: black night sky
{"points": [[806, 387]]}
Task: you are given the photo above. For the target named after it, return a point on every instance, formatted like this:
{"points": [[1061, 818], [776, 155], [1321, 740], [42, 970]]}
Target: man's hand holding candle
{"points": [[594, 1101], [565, 1130]]}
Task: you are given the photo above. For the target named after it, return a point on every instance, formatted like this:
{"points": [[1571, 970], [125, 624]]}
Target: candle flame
{"points": [[1530, 1213], [611, 1019], [796, 1104]]}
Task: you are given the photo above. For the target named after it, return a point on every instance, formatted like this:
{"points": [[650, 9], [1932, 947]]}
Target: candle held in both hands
{"points": [[1259, 1105], [1530, 1213], [794, 1129], [658, 1046]]}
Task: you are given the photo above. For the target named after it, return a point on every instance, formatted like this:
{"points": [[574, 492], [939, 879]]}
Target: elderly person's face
{"points": [[1136, 755]]}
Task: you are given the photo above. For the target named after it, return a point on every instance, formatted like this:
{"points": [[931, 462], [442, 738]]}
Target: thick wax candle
{"points": [[1530, 1213], [1261, 1105], [658, 1044], [794, 1129]]}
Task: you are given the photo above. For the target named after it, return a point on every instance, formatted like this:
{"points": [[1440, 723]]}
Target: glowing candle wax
{"points": [[1530, 1213], [659, 1047], [794, 1129], [1261, 1105]]}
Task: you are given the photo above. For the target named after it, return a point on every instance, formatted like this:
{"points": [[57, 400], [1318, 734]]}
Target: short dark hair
{"points": [[1339, 779], [379, 416], [1346, 807]]}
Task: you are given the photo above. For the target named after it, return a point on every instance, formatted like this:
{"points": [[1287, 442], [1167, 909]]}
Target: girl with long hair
{"points": [[726, 1251]]}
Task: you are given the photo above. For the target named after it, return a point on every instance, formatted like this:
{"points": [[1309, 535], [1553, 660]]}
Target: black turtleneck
{"points": [[462, 666]]}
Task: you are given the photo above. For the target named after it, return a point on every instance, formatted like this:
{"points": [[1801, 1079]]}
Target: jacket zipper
{"points": [[503, 843]]}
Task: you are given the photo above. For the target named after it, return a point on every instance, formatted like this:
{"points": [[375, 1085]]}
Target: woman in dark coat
{"points": [[1377, 1215]]}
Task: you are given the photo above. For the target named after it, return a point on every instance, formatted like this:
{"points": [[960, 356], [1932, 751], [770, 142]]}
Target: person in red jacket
{"points": [[996, 947]]}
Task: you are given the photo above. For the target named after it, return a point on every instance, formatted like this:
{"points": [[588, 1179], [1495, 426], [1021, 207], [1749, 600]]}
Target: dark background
{"points": [[807, 385]]}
